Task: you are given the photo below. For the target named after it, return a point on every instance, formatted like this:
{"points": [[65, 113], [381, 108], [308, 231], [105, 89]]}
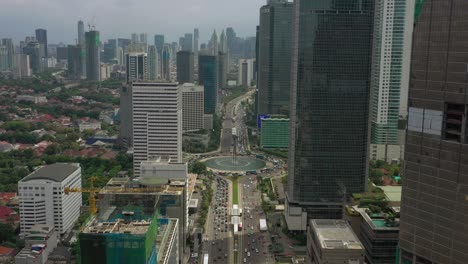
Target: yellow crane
{"points": [[92, 194], [117, 190]]}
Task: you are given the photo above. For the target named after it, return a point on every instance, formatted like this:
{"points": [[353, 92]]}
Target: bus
{"points": [[205, 259]]}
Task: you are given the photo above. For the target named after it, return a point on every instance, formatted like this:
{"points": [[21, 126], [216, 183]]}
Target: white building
{"points": [[390, 75], [246, 72], [192, 107], [43, 201], [157, 122], [137, 66], [21, 66], [32, 98], [161, 171], [106, 70]]}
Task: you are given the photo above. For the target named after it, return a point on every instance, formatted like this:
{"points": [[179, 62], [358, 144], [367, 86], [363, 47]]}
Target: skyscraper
{"points": [[222, 69], [137, 67], [8, 43], [4, 58], [208, 77], [74, 61], [153, 63], [81, 33], [135, 39], [21, 66], [434, 212], [329, 111], [390, 75], [192, 107], [157, 122], [82, 43], [185, 66], [188, 42], [166, 63], [274, 48], [159, 42], [196, 36], [33, 50], [213, 44], [93, 56], [41, 37]]}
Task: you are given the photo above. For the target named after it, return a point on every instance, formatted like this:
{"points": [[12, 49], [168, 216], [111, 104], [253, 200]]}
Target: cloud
{"points": [[119, 18]]}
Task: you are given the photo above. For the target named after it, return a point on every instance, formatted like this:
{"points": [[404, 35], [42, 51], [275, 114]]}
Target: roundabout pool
{"points": [[235, 164]]}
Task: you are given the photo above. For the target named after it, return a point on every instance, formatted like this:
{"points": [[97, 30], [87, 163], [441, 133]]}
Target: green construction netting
{"points": [[418, 8]]}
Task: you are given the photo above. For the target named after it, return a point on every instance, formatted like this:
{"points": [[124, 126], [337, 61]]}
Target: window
{"points": [[454, 120]]}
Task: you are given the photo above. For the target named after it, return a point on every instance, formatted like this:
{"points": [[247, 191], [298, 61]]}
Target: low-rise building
{"points": [[39, 243], [333, 242], [91, 124], [32, 98]]}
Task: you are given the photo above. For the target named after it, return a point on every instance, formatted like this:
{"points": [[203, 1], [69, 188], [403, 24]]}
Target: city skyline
{"points": [[152, 19]]}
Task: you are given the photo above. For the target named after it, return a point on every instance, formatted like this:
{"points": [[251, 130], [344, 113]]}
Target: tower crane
{"points": [[117, 190]]}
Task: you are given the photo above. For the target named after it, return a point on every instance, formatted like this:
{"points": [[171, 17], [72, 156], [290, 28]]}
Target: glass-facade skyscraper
{"points": [[185, 66], [93, 56], [41, 37], [434, 212], [274, 65], [330, 77], [208, 77]]}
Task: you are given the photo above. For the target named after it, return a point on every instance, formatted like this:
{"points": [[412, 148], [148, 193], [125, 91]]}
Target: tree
{"points": [[198, 168], [7, 233]]}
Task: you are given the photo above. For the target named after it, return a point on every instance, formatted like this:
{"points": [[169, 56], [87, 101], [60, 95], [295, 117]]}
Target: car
{"points": [[245, 250], [248, 254], [245, 260], [256, 250]]}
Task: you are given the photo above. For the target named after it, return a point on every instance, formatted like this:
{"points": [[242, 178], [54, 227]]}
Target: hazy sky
{"points": [[119, 18]]}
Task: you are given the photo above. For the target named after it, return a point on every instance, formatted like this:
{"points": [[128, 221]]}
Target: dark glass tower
{"points": [[41, 37], [33, 50], [74, 61], [274, 57], [93, 56], [434, 213], [208, 77], [185, 67], [330, 77]]}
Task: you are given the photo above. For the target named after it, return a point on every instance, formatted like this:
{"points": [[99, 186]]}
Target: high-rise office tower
{"points": [[93, 56], [152, 63], [181, 43], [222, 69], [185, 66], [8, 43], [223, 42], [74, 62], [135, 39], [137, 67], [157, 122], [434, 212], [188, 42], [329, 110], [41, 37], [4, 58], [274, 57], [390, 75], [144, 38], [33, 50], [82, 43], [159, 42], [208, 77], [166, 63], [21, 66], [246, 72], [213, 44], [81, 33], [231, 38], [192, 107], [196, 36], [174, 48]]}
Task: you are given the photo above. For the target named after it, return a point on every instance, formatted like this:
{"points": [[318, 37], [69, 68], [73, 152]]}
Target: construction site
{"points": [[135, 223]]}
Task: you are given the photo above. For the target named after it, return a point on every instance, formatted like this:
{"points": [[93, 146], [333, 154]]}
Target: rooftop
{"points": [[55, 172], [335, 234], [119, 227], [392, 193]]}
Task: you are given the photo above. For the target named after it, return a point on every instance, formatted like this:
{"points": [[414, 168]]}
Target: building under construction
{"points": [[125, 239], [125, 228]]}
